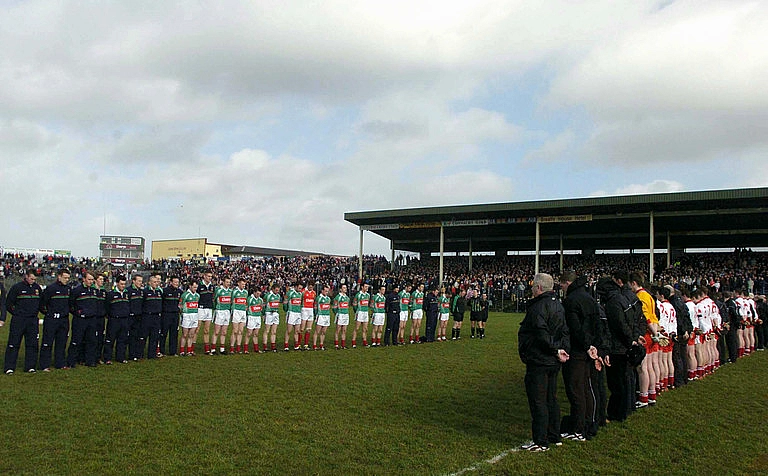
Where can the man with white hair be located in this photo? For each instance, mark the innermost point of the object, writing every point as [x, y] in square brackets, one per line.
[543, 345]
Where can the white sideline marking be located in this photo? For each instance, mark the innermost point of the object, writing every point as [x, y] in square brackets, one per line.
[493, 460]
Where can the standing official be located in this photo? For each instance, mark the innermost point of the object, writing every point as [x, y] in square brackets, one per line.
[55, 308]
[23, 303]
[392, 307]
[82, 303]
[543, 345]
[101, 314]
[432, 309]
[118, 323]
[205, 289]
[458, 307]
[153, 308]
[169, 329]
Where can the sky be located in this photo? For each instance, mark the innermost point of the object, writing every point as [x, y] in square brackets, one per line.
[262, 122]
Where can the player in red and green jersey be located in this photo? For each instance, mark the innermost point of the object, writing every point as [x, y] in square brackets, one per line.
[444, 302]
[417, 313]
[254, 312]
[272, 316]
[361, 304]
[323, 318]
[307, 312]
[293, 316]
[405, 306]
[379, 316]
[341, 308]
[239, 316]
[188, 304]
[222, 305]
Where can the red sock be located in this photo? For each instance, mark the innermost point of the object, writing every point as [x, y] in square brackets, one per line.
[652, 396]
[274, 346]
[643, 398]
[286, 345]
[671, 381]
[314, 346]
[365, 342]
[343, 343]
[306, 338]
[335, 343]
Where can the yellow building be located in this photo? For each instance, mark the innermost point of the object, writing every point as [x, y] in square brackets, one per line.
[187, 248]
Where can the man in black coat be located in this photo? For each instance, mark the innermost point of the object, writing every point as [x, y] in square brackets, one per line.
[581, 316]
[543, 345]
[23, 303]
[431, 309]
[684, 330]
[622, 327]
[393, 315]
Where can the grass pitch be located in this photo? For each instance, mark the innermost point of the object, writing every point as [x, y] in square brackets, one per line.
[421, 409]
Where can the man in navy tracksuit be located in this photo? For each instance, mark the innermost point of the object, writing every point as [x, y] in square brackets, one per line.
[101, 313]
[118, 322]
[136, 307]
[83, 305]
[153, 307]
[23, 302]
[170, 325]
[55, 308]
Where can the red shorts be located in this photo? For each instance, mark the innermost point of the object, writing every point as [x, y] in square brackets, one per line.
[702, 338]
[692, 340]
[667, 349]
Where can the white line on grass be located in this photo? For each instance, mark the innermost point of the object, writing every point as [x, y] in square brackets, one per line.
[493, 460]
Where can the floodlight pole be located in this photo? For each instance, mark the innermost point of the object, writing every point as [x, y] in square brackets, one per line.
[392, 261]
[442, 249]
[538, 246]
[650, 258]
[669, 251]
[360, 263]
[561, 253]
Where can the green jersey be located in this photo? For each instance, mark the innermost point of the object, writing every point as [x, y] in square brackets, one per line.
[222, 299]
[255, 306]
[417, 301]
[445, 304]
[273, 301]
[239, 299]
[341, 304]
[362, 301]
[379, 303]
[323, 305]
[405, 300]
[294, 300]
[188, 302]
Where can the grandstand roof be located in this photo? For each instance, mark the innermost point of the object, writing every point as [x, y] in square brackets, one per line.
[258, 251]
[703, 219]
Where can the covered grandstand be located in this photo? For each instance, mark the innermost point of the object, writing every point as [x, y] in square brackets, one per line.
[646, 223]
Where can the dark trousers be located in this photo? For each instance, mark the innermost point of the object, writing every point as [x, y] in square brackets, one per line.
[151, 330]
[760, 330]
[431, 327]
[100, 324]
[678, 361]
[732, 340]
[55, 333]
[578, 388]
[137, 338]
[27, 328]
[117, 337]
[601, 397]
[83, 337]
[393, 326]
[619, 375]
[721, 348]
[169, 330]
[541, 389]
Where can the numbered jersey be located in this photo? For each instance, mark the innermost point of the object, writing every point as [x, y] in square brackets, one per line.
[379, 304]
[222, 299]
[417, 300]
[363, 301]
[445, 305]
[342, 304]
[405, 300]
[323, 305]
[189, 302]
[294, 300]
[255, 306]
[239, 299]
[273, 301]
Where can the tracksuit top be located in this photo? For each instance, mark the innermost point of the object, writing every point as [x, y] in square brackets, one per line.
[55, 304]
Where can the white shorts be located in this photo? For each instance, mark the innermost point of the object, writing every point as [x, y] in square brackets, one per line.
[271, 318]
[293, 319]
[379, 319]
[362, 316]
[342, 319]
[307, 314]
[222, 317]
[323, 321]
[238, 317]
[445, 316]
[254, 322]
[417, 314]
[403, 316]
[204, 314]
[188, 321]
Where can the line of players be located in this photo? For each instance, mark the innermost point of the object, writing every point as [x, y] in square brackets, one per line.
[703, 345]
[132, 321]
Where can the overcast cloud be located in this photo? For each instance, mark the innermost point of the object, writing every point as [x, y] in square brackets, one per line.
[261, 122]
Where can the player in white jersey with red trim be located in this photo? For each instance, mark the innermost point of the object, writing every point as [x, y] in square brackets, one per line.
[668, 330]
[705, 311]
[693, 340]
[308, 297]
[749, 331]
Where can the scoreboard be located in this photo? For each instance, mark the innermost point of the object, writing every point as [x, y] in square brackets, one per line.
[121, 249]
